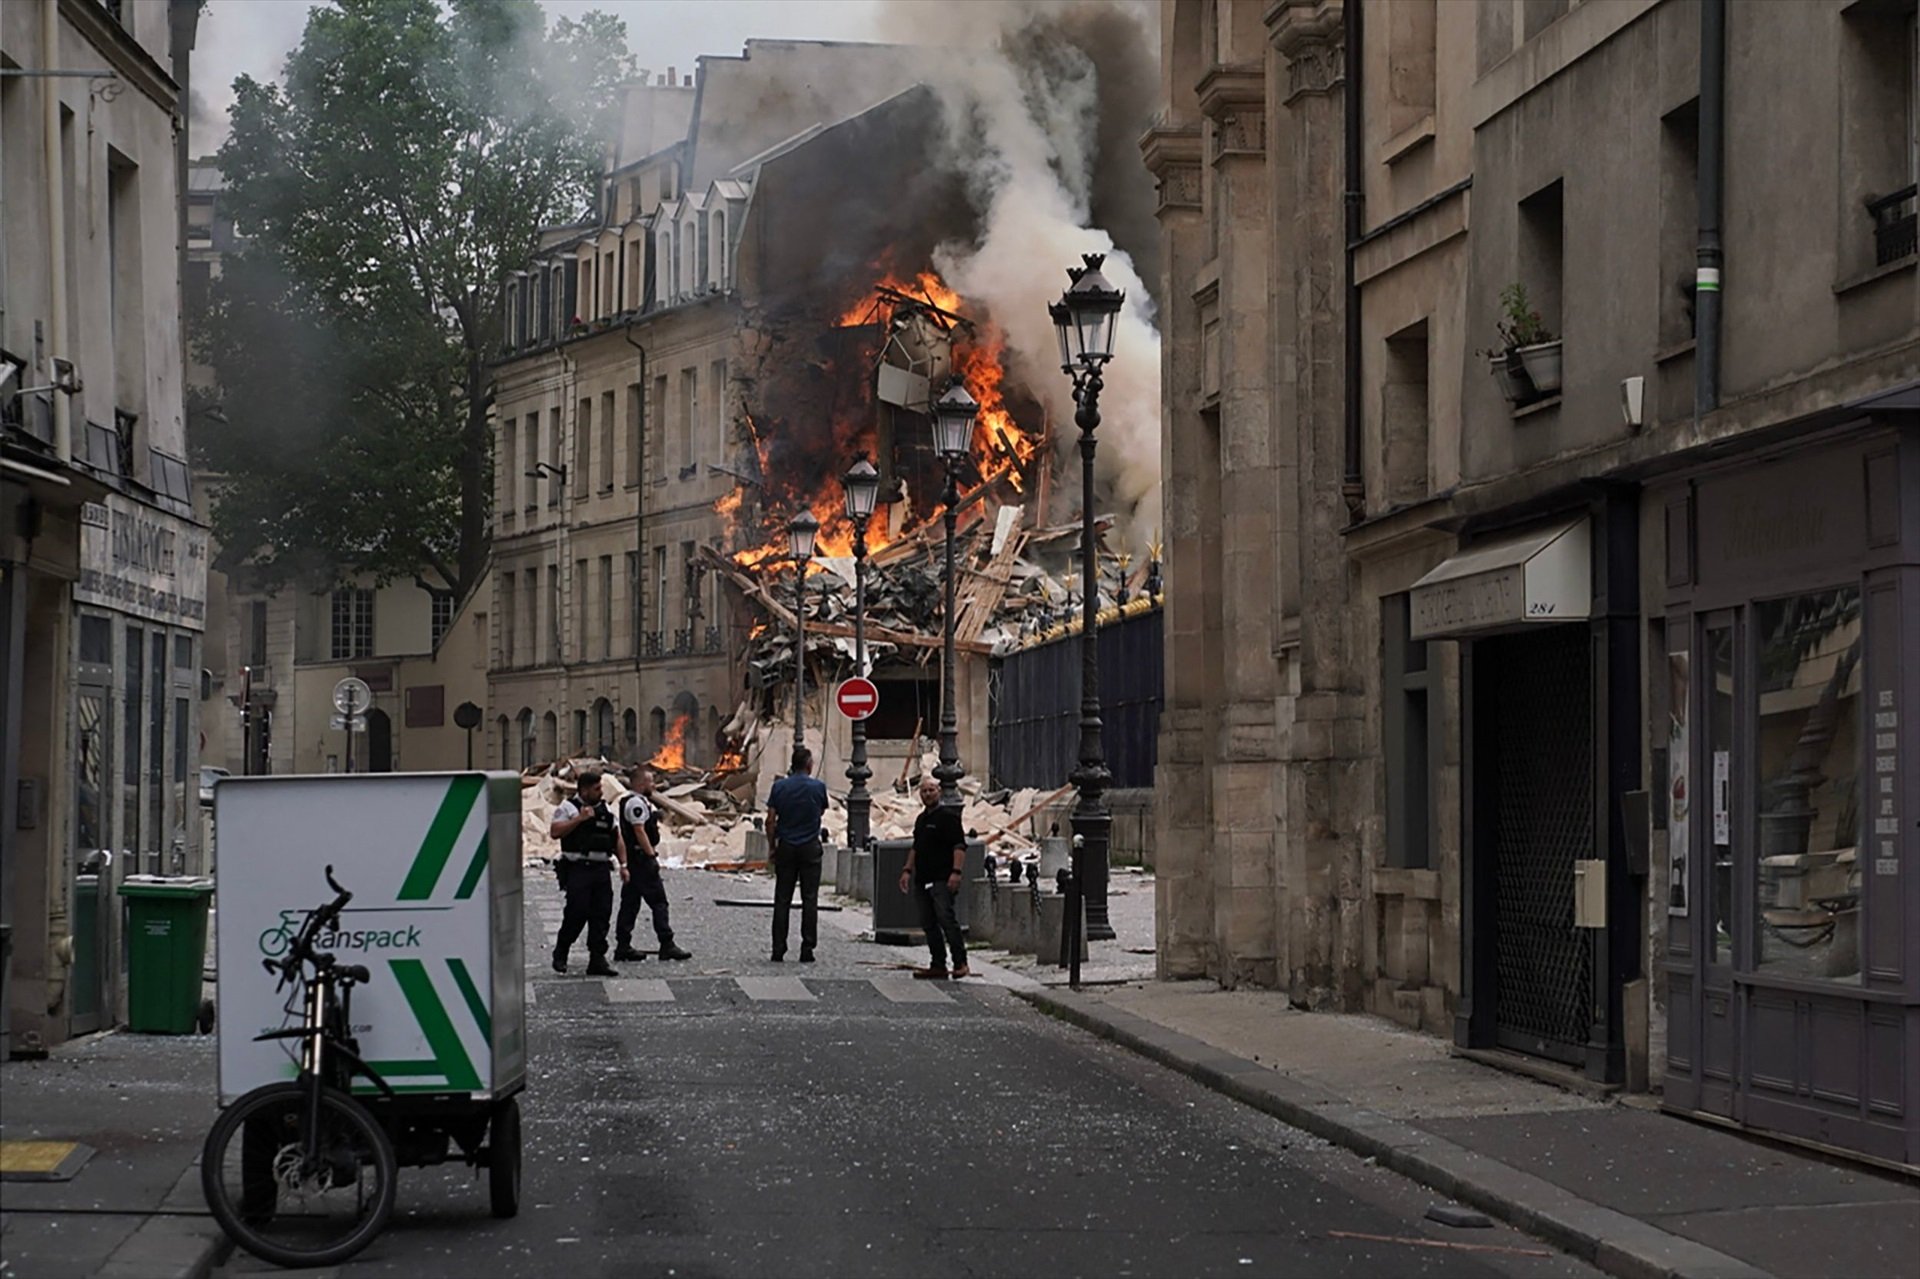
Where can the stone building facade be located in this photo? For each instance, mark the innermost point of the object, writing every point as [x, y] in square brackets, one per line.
[102, 563]
[1561, 703]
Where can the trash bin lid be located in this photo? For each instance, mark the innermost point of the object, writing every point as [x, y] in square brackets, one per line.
[166, 886]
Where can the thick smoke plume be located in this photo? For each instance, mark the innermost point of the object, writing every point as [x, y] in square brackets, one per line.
[1042, 116]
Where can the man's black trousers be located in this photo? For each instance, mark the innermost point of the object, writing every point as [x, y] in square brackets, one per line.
[941, 924]
[589, 888]
[643, 885]
[797, 865]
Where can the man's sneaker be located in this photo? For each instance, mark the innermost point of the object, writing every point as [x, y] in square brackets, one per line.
[777, 956]
[559, 962]
[961, 971]
[930, 974]
[806, 956]
[670, 951]
[599, 968]
[628, 955]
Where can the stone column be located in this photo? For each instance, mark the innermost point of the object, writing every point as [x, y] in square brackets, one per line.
[1236, 308]
[1189, 471]
[1328, 788]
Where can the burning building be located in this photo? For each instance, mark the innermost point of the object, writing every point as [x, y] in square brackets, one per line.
[760, 297]
[674, 384]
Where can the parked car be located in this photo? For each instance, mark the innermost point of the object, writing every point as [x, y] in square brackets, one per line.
[209, 777]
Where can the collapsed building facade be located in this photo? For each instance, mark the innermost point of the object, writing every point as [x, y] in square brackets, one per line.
[702, 362]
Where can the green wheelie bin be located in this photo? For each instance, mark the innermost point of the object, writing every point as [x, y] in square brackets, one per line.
[166, 950]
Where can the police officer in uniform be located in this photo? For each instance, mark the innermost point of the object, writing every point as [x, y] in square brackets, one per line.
[640, 826]
[590, 847]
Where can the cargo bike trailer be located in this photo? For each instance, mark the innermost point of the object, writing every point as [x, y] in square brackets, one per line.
[403, 1040]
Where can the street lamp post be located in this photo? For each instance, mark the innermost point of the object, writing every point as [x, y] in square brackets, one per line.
[953, 416]
[801, 530]
[1084, 320]
[862, 485]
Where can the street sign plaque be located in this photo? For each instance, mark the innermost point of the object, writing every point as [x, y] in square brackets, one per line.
[857, 698]
[353, 723]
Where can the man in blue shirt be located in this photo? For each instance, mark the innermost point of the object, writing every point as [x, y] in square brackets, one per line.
[794, 808]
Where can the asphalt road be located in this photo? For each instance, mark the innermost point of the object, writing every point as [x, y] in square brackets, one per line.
[730, 1117]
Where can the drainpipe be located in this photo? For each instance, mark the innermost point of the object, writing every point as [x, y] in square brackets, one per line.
[1353, 486]
[639, 495]
[1712, 188]
[56, 225]
[183, 21]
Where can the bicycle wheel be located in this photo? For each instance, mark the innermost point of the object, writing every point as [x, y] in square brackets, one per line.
[282, 1206]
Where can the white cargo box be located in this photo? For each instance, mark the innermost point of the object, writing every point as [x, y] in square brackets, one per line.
[433, 863]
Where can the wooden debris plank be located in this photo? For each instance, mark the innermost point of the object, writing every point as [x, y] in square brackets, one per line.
[1000, 831]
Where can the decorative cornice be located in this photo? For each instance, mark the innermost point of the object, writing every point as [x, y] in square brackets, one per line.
[1311, 35]
[1234, 100]
[1172, 154]
[1292, 22]
[125, 54]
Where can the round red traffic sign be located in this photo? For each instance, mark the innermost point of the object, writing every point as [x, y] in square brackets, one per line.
[857, 698]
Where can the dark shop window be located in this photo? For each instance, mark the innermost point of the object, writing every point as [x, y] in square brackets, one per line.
[1406, 736]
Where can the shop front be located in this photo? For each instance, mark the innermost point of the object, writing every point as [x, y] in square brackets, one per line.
[1546, 612]
[139, 614]
[1792, 790]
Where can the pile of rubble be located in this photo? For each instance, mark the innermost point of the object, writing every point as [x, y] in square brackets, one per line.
[705, 823]
[1015, 585]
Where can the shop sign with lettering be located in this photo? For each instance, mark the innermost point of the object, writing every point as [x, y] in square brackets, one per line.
[143, 562]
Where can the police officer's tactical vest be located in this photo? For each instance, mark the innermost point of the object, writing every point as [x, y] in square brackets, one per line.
[592, 840]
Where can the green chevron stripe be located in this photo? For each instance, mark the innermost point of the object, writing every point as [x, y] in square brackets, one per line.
[437, 849]
[442, 1038]
[471, 993]
[475, 868]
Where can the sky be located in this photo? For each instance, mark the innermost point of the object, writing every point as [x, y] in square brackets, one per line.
[253, 37]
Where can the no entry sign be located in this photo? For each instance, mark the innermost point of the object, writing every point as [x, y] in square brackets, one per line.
[857, 698]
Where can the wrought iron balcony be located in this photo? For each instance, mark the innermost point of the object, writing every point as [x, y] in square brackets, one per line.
[650, 643]
[714, 642]
[1893, 225]
[683, 641]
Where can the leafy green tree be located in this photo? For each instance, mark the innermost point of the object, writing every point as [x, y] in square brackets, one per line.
[384, 194]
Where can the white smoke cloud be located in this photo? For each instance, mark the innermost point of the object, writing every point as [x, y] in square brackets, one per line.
[1026, 132]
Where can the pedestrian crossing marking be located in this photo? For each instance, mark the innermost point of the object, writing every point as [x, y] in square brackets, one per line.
[774, 989]
[637, 990]
[905, 990]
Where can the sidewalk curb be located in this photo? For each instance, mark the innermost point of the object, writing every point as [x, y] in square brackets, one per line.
[1620, 1245]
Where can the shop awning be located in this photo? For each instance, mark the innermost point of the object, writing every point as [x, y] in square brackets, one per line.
[1542, 575]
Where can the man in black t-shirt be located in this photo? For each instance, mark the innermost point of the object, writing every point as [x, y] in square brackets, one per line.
[936, 869]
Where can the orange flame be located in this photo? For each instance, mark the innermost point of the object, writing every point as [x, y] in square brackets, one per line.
[673, 751]
[1001, 448]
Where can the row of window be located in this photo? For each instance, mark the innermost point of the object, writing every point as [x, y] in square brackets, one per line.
[682, 251]
[611, 437]
[528, 739]
[350, 623]
[532, 621]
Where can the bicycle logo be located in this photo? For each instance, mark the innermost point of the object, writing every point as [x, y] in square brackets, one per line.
[274, 941]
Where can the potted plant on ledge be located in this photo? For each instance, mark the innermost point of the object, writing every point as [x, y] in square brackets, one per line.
[1528, 360]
